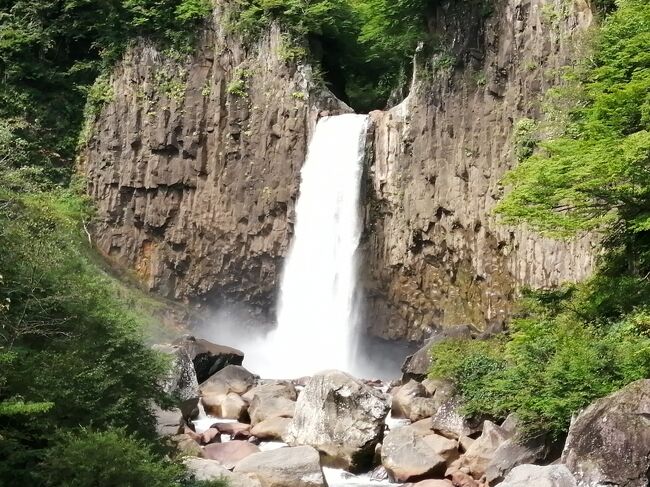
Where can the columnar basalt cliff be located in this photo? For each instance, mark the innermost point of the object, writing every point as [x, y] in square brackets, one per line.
[194, 166]
[435, 255]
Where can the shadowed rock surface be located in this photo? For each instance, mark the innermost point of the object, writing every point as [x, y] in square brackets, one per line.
[609, 442]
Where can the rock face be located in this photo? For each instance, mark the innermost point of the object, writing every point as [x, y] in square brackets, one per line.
[285, 467]
[195, 181]
[341, 417]
[609, 442]
[434, 254]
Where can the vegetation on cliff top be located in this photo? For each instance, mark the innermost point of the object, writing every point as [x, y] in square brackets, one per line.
[591, 173]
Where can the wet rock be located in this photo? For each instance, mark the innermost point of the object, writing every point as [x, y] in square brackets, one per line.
[341, 417]
[211, 435]
[209, 358]
[536, 476]
[206, 470]
[408, 455]
[229, 453]
[232, 428]
[271, 429]
[609, 442]
[512, 453]
[481, 452]
[286, 467]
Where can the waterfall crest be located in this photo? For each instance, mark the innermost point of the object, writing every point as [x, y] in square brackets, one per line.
[317, 314]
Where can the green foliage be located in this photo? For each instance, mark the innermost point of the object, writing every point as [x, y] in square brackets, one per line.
[108, 459]
[363, 45]
[525, 138]
[552, 365]
[595, 173]
[238, 84]
[76, 355]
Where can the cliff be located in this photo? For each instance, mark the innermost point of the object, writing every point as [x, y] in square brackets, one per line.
[434, 252]
[194, 166]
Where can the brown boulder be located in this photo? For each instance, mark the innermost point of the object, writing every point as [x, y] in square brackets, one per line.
[271, 429]
[228, 454]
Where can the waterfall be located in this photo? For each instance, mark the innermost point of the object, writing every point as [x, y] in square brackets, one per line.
[317, 313]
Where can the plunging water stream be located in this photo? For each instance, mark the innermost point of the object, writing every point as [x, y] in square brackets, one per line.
[317, 313]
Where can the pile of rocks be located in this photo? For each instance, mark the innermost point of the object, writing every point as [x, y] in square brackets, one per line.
[335, 420]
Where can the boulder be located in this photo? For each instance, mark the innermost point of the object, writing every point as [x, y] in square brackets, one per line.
[228, 454]
[285, 467]
[448, 420]
[274, 389]
[536, 476]
[232, 429]
[206, 470]
[211, 435]
[186, 445]
[402, 397]
[609, 442]
[417, 366]
[481, 452]
[462, 479]
[232, 378]
[168, 423]
[431, 483]
[423, 407]
[233, 407]
[408, 455]
[512, 453]
[341, 417]
[180, 380]
[267, 407]
[209, 358]
[271, 429]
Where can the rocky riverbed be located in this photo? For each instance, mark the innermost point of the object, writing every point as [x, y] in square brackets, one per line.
[336, 430]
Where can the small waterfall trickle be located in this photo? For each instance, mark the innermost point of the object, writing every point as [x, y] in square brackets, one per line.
[317, 314]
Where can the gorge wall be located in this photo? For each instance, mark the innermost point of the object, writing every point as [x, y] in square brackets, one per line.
[194, 167]
[435, 255]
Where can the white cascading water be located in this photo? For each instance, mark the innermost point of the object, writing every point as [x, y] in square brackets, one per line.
[316, 314]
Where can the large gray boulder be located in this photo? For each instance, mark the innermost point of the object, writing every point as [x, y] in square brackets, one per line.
[512, 453]
[408, 453]
[417, 366]
[209, 358]
[481, 452]
[536, 476]
[180, 380]
[341, 417]
[285, 467]
[205, 470]
[609, 442]
[232, 378]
